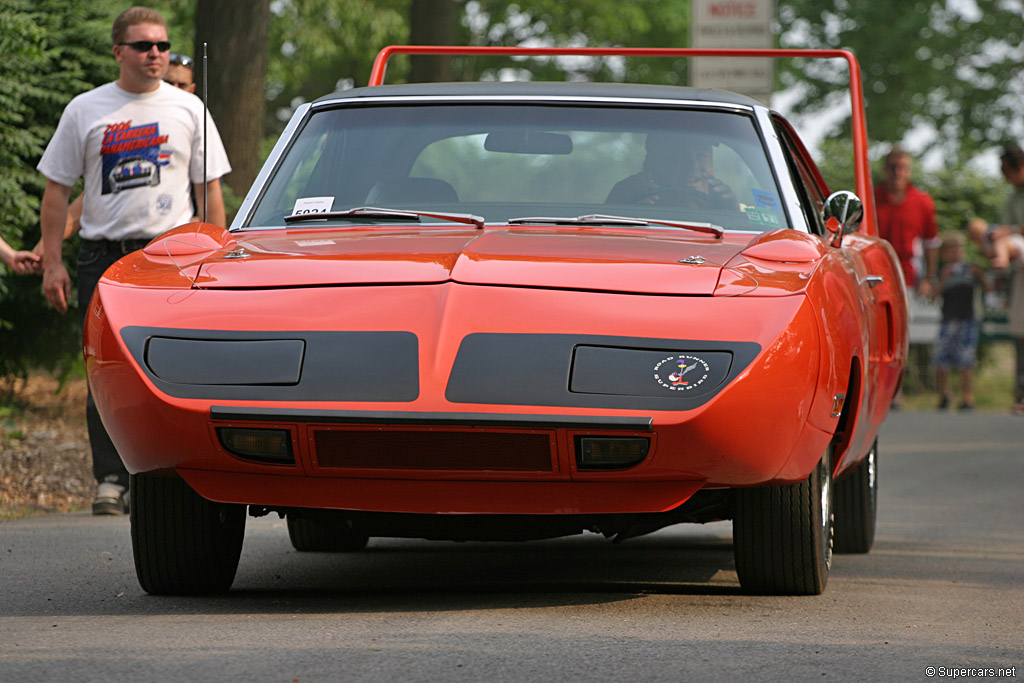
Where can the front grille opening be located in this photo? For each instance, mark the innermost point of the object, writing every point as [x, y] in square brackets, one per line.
[434, 450]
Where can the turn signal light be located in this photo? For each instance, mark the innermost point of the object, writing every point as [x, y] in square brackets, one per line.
[261, 445]
[610, 452]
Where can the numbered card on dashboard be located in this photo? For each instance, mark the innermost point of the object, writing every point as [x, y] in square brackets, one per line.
[304, 205]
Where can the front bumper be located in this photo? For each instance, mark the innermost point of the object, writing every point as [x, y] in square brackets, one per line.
[751, 428]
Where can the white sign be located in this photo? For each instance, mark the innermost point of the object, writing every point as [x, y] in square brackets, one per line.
[305, 205]
[733, 24]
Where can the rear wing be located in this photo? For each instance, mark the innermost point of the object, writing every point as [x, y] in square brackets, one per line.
[861, 166]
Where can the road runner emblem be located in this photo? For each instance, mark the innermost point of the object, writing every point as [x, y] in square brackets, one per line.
[681, 373]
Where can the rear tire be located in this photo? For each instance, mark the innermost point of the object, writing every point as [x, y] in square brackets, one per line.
[782, 535]
[183, 544]
[856, 505]
[321, 535]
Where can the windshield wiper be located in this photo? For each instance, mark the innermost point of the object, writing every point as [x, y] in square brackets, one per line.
[602, 219]
[388, 214]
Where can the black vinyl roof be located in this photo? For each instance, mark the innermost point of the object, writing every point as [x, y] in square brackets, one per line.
[544, 89]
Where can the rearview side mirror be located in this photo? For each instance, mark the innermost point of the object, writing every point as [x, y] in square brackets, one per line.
[842, 213]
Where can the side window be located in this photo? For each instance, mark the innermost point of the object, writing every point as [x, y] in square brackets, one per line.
[810, 195]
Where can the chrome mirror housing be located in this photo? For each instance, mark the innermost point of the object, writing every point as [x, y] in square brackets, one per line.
[842, 213]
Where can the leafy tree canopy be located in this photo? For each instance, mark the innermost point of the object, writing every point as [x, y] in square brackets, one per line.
[319, 46]
[954, 68]
[52, 50]
[583, 23]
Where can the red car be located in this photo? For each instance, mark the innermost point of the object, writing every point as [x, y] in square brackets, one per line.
[511, 311]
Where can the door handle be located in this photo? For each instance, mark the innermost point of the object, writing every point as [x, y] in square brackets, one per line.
[873, 280]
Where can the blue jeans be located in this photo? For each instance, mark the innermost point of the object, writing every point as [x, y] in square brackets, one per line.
[94, 257]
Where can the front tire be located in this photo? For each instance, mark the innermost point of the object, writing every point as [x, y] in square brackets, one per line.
[856, 504]
[183, 544]
[782, 535]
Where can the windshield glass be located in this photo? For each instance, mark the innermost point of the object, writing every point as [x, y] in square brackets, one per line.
[503, 162]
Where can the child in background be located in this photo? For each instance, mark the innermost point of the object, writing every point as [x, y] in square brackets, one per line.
[958, 332]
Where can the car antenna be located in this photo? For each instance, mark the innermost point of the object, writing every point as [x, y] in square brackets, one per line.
[206, 115]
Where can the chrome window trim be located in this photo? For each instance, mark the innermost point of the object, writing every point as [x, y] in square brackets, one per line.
[541, 99]
[777, 153]
[269, 166]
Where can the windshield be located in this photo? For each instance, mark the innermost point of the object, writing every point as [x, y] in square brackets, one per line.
[507, 162]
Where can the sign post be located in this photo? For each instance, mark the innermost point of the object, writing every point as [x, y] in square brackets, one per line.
[733, 24]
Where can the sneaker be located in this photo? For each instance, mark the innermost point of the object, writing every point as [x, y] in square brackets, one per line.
[965, 407]
[944, 403]
[110, 499]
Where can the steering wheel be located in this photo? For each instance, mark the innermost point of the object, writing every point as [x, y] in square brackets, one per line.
[680, 196]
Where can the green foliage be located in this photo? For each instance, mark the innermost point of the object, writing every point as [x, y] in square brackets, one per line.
[583, 23]
[35, 336]
[180, 16]
[52, 50]
[961, 194]
[931, 62]
[835, 161]
[319, 46]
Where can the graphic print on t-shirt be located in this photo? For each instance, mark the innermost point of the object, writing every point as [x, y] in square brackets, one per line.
[132, 156]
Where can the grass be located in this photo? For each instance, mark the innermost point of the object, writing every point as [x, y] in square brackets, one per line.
[993, 380]
[12, 512]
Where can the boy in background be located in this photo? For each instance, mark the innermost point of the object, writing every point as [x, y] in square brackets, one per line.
[957, 344]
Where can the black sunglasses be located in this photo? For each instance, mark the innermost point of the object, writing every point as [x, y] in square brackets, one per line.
[147, 45]
[178, 59]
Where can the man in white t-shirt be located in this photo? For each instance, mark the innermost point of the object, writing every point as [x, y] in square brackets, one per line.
[138, 142]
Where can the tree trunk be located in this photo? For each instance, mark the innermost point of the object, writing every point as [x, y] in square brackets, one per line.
[237, 35]
[432, 22]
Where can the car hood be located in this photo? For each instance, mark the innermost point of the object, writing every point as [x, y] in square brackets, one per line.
[647, 261]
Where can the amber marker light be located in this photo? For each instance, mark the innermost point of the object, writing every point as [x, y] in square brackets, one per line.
[610, 452]
[261, 445]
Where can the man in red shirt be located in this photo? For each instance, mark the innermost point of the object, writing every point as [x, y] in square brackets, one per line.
[906, 218]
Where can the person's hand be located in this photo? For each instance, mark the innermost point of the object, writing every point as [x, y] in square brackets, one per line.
[26, 263]
[57, 286]
[639, 189]
[997, 232]
[926, 289]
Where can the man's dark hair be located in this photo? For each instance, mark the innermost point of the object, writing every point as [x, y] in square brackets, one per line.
[132, 17]
[1012, 156]
[178, 59]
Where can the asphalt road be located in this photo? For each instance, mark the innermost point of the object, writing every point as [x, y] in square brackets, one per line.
[943, 588]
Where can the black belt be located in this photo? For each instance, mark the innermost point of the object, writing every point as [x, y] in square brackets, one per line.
[123, 247]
